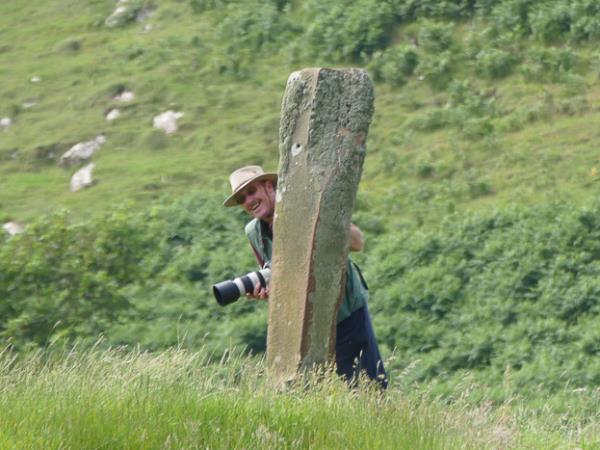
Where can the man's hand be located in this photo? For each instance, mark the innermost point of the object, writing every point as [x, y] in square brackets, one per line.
[260, 293]
[356, 239]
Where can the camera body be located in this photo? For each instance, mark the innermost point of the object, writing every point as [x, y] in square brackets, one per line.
[229, 291]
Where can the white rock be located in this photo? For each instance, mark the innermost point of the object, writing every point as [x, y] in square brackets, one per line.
[167, 121]
[120, 15]
[35, 79]
[113, 114]
[13, 228]
[5, 123]
[82, 178]
[29, 104]
[115, 18]
[81, 151]
[125, 96]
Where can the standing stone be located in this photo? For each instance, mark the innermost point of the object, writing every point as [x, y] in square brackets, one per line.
[324, 123]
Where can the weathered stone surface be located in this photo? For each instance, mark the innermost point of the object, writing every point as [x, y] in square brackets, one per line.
[324, 123]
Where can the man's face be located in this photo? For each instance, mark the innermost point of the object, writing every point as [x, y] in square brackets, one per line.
[258, 200]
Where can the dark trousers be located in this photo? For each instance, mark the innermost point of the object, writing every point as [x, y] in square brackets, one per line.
[356, 349]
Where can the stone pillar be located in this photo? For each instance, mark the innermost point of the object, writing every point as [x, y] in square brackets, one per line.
[325, 118]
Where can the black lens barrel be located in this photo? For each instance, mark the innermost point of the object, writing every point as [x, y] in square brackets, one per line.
[229, 291]
[226, 292]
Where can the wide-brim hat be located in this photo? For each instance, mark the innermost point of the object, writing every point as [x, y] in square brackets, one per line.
[242, 177]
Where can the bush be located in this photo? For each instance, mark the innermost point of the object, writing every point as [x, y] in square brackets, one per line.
[548, 64]
[550, 22]
[489, 291]
[436, 70]
[494, 63]
[251, 26]
[431, 121]
[467, 109]
[435, 37]
[435, 9]
[67, 280]
[585, 25]
[347, 30]
[512, 16]
[394, 65]
[246, 29]
[137, 278]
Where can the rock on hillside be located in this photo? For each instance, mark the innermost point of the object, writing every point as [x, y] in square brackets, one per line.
[82, 151]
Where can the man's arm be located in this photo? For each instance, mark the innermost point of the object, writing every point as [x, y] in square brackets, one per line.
[356, 245]
[356, 239]
[259, 293]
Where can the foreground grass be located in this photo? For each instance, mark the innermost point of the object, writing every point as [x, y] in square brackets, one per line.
[176, 399]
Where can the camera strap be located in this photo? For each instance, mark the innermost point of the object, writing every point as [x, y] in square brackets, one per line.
[362, 279]
[266, 240]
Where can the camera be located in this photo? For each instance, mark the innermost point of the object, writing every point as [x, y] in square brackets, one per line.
[229, 291]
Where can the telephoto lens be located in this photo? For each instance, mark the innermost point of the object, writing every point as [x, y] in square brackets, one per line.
[229, 291]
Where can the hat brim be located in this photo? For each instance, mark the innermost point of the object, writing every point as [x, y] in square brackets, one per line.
[232, 200]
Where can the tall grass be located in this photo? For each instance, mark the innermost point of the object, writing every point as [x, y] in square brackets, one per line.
[129, 399]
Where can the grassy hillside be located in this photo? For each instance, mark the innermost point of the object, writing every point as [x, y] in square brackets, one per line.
[484, 118]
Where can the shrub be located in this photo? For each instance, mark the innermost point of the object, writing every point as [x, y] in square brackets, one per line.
[585, 25]
[394, 65]
[548, 64]
[550, 22]
[489, 291]
[251, 26]
[436, 70]
[137, 278]
[467, 109]
[431, 121]
[347, 30]
[494, 63]
[573, 106]
[244, 30]
[435, 9]
[435, 37]
[512, 16]
[61, 279]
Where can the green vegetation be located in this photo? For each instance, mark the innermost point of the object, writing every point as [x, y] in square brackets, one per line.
[176, 399]
[477, 197]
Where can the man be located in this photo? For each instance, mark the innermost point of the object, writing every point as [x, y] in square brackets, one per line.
[356, 346]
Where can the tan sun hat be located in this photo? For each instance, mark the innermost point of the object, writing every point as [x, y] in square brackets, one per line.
[242, 177]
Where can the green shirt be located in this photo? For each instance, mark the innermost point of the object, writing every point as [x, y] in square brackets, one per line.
[356, 294]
